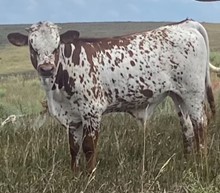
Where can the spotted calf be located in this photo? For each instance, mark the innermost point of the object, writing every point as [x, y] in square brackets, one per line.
[85, 78]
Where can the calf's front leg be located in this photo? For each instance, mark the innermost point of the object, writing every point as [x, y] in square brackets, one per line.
[91, 126]
[89, 148]
[75, 144]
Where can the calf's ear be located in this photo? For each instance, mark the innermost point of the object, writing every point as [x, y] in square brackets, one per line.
[18, 39]
[69, 36]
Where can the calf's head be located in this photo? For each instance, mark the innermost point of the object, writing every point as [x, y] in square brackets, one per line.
[44, 41]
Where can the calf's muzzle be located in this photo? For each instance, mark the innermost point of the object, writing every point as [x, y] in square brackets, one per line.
[46, 69]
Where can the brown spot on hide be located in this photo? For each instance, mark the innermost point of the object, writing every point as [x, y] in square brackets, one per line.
[130, 76]
[96, 91]
[94, 79]
[76, 55]
[108, 55]
[130, 53]
[81, 77]
[64, 81]
[132, 63]
[147, 92]
[141, 79]
[67, 50]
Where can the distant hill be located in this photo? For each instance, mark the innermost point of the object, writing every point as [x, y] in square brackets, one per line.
[103, 29]
[97, 29]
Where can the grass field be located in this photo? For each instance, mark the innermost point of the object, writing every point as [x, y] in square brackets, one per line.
[34, 153]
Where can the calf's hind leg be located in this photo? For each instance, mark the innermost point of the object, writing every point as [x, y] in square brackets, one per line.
[193, 121]
[199, 121]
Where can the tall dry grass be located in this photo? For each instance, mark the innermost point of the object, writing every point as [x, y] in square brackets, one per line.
[34, 153]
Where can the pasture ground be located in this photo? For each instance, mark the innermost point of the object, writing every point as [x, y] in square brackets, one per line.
[34, 153]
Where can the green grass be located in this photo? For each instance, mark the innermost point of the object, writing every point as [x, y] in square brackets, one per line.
[214, 35]
[215, 58]
[14, 60]
[19, 96]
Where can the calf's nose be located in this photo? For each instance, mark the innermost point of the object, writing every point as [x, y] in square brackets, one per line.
[46, 69]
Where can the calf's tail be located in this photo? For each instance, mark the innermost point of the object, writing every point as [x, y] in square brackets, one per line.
[209, 92]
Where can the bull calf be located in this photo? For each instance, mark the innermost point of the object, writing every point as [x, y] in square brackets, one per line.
[85, 78]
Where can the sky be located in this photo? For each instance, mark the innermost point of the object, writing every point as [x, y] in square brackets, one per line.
[64, 11]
